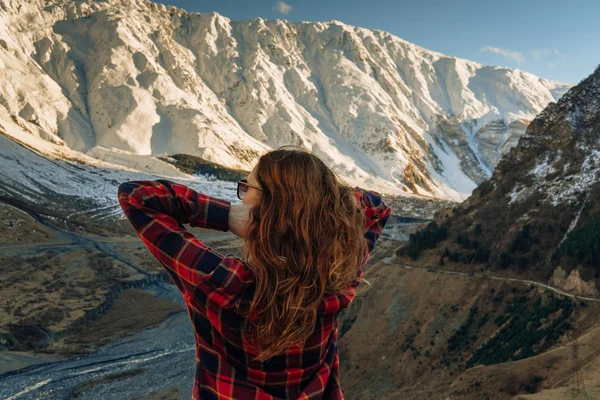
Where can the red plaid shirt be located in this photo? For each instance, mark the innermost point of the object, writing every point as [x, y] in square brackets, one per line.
[212, 285]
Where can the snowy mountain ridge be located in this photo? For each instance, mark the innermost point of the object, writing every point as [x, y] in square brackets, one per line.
[538, 216]
[117, 78]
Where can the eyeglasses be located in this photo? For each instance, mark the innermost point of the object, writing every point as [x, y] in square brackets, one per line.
[242, 188]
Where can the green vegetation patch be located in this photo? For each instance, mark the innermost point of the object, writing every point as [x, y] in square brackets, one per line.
[522, 250]
[527, 330]
[461, 336]
[582, 245]
[196, 165]
[426, 238]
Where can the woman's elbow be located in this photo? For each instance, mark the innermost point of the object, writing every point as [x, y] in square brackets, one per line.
[124, 192]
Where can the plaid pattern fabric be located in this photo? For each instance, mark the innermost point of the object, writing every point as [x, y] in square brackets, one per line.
[214, 285]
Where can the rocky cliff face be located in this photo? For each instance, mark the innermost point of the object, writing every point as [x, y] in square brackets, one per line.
[539, 214]
[106, 77]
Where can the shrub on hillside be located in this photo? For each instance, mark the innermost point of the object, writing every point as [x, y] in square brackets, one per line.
[426, 238]
[582, 245]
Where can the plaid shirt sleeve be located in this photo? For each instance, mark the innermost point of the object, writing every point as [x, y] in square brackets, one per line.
[157, 211]
[376, 215]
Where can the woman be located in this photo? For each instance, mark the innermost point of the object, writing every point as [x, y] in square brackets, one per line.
[265, 325]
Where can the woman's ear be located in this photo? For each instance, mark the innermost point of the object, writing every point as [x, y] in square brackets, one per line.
[239, 215]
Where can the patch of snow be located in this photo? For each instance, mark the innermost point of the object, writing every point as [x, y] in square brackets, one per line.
[514, 195]
[542, 168]
[575, 221]
[36, 168]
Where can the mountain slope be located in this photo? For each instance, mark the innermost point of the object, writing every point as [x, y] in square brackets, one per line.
[490, 300]
[135, 76]
[539, 214]
[64, 184]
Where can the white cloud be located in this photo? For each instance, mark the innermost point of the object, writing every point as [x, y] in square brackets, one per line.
[550, 65]
[510, 54]
[282, 7]
[539, 53]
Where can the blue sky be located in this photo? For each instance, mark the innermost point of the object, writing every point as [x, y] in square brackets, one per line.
[558, 40]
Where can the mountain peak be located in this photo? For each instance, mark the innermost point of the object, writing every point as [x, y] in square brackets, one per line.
[380, 110]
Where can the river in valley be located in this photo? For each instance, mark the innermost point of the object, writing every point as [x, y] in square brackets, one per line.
[153, 360]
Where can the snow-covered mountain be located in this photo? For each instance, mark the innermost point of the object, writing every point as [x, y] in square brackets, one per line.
[121, 78]
[538, 216]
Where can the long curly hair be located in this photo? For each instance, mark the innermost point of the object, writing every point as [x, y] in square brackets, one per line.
[305, 238]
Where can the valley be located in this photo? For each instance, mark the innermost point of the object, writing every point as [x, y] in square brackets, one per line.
[484, 285]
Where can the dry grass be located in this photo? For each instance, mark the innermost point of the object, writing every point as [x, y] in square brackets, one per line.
[395, 346]
[134, 310]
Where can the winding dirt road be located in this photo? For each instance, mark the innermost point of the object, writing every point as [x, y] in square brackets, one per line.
[392, 260]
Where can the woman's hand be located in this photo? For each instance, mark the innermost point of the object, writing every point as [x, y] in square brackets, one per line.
[239, 215]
